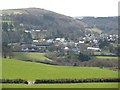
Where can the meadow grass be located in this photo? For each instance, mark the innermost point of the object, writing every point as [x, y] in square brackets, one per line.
[115, 44]
[6, 21]
[73, 85]
[13, 12]
[102, 53]
[30, 56]
[15, 69]
[106, 57]
[95, 30]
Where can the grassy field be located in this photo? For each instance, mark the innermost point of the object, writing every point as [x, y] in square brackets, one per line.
[106, 57]
[30, 56]
[95, 30]
[15, 69]
[116, 44]
[13, 12]
[6, 21]
[102, 53]
[75, 85]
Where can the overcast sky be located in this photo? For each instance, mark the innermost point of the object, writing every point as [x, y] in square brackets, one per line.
[97, 8]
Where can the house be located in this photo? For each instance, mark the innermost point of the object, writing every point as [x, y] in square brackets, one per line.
[49, 41]
[34, 41]
[66, 49]
[27, 31]
[81, 41]
[93, 49]
[36, 30]
[0, 14]
[42, 46]
[29, 49]
[95, 41]
[65, 43]
[26, 45]
[60, 39]
[75, 49]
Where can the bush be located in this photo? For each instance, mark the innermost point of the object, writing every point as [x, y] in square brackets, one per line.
[77, 80]
[12, 81]
[84, 56]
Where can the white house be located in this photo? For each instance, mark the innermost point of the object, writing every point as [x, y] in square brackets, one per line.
[27, 31]
[49, 40]
[60, 39]
[81, 41]
[35, 40]
[93, 49]
[66, 48]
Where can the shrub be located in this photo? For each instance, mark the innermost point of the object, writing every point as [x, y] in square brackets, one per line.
[12, 81]
[84, 56]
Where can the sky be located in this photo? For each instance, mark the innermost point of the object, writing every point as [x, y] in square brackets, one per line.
[97, 8]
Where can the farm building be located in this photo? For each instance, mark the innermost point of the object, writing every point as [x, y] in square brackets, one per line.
[93, 49]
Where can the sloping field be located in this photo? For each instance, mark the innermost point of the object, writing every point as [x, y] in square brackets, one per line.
[13, 11]
[15, 69]
[106, 57]
[75, 85]
[95, 30]
[30, 56]
[103, 53]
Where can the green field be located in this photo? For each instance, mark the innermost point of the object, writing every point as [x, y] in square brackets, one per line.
[106, 57]
[15, 69]
[30, 56]
[95, 30]
[75, 85]
[13, 12]
[102, 53]
[6, 21]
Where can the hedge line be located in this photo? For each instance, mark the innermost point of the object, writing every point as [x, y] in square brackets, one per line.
[77, 80]
[106, 55]
[62, 80]
[12, 81]
[47, 62]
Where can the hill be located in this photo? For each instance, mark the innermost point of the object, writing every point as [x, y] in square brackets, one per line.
[107, 25]
[31, 56]
[51, 25]
[56, 25]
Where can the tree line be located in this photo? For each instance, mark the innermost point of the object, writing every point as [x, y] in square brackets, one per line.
[12, 36]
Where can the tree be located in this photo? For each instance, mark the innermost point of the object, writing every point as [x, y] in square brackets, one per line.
[11, 27]
[103, 43]
[26, 37]
[75, 64]
[84, 56]
[6, 50]
[5, 26]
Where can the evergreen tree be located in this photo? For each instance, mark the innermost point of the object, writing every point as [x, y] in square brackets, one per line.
[84, 56]
[11, 27]
[5, 26]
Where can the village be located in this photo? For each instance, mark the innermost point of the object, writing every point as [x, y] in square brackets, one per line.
[89, 42]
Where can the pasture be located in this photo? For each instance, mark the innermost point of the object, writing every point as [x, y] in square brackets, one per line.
[106, 57]
[75, 85]
[30, 56]
[103, 53]
[95, 30]
[6, 21]
[15, 69]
